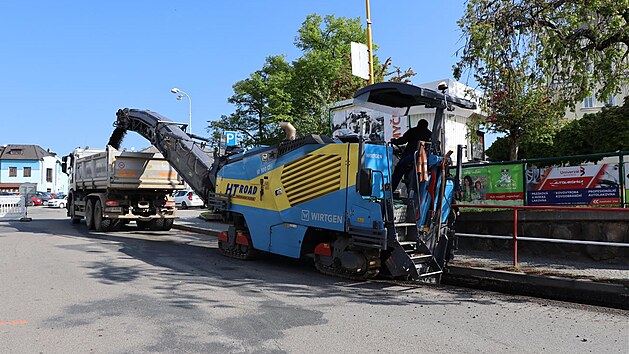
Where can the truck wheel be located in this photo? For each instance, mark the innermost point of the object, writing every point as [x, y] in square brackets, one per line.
[156, 224]
[100, 223]
[168, 224]
[143, 225]
[89, 214]
[73, 218]
[116, 225]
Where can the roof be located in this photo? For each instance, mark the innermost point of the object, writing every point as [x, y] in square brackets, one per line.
[398, 98]
[23, 152]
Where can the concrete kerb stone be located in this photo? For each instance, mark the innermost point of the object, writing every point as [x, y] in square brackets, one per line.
[551, 287]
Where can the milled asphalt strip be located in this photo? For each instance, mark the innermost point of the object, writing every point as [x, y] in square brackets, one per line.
[549, 287]
[199, 230]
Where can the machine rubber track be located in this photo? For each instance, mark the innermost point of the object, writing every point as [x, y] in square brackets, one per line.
[371, 272]
[238, 251]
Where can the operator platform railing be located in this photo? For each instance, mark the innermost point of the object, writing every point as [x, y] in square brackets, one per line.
[517, 238]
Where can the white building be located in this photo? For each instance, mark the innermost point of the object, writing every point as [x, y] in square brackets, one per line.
[591, 105]
[31, 164]
[382, 126]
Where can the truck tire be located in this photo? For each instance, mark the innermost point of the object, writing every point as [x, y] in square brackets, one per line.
[143, 225]
[161, 224]
[116, 225]
[156, 224]
[100, 224]
[89, 214]
[168, 224]
[73, 218]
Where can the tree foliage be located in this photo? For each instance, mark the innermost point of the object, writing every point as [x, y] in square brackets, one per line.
[524, 52]
[301, 92]
[261, 102]
[602, 132]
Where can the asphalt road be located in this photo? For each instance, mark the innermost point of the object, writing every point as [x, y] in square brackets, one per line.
[65, 289]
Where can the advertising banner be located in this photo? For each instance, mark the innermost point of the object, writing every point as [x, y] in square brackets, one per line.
[574, 185]
[495, 185]
[377, 126]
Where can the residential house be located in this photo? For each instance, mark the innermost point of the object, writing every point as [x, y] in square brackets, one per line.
[591, 105]
[30, 164]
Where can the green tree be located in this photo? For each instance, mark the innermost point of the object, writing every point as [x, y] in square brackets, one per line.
[556, 51]
[261, 101]
[303, 91]
[323, 72]
[601, 132]
[499, 150]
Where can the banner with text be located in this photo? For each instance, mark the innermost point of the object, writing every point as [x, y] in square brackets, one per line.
[495, 185]
[574, 185]
[377, 126]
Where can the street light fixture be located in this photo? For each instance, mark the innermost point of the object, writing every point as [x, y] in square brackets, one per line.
[175, 90]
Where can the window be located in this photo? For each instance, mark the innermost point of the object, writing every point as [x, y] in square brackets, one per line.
[27, 172]
[49, 175]
[610, 101]
[16, 152]
[12, 171]
[588, 102]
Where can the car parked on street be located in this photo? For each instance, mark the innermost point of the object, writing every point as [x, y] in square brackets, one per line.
[186, 199]
[43, 196]
[34, 201]
[57, 203]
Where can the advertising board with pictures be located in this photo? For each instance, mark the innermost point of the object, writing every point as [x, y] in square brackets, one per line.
[493, 185]
[595, 185]
[378, 126]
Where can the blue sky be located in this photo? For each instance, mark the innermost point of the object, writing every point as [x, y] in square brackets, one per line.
[66, 67]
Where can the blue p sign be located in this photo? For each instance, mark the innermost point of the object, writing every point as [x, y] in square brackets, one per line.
[230, 138]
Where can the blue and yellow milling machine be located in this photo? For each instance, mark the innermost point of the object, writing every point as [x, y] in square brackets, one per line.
[324, 198]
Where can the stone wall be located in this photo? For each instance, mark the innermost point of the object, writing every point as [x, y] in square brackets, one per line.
[571, 225]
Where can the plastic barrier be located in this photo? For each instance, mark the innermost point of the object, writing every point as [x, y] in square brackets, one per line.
[12, 207]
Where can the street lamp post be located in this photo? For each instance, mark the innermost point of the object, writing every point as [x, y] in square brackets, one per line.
[180, 97]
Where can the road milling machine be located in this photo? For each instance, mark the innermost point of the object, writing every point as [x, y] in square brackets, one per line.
[324, 198]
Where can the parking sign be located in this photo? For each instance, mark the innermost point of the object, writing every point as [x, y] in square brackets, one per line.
[230, 138]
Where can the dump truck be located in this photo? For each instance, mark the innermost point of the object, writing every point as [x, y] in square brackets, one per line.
[110, 187]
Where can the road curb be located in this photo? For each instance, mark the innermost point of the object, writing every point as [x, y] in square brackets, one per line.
[550, 287]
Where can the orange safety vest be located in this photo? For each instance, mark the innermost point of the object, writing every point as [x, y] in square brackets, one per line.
[422, 163]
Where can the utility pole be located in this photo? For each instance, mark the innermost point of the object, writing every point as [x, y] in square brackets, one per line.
[369, 44]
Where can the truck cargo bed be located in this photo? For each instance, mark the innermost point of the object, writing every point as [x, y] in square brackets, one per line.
[115, 169]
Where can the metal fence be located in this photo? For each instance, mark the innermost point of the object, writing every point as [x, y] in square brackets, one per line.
[515, 237]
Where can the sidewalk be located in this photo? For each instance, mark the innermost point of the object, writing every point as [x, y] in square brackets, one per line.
[583, 281]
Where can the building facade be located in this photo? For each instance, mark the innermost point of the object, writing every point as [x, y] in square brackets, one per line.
[31, 164]
[591, 105]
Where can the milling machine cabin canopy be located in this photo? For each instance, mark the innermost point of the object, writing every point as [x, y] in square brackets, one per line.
[398, 98]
